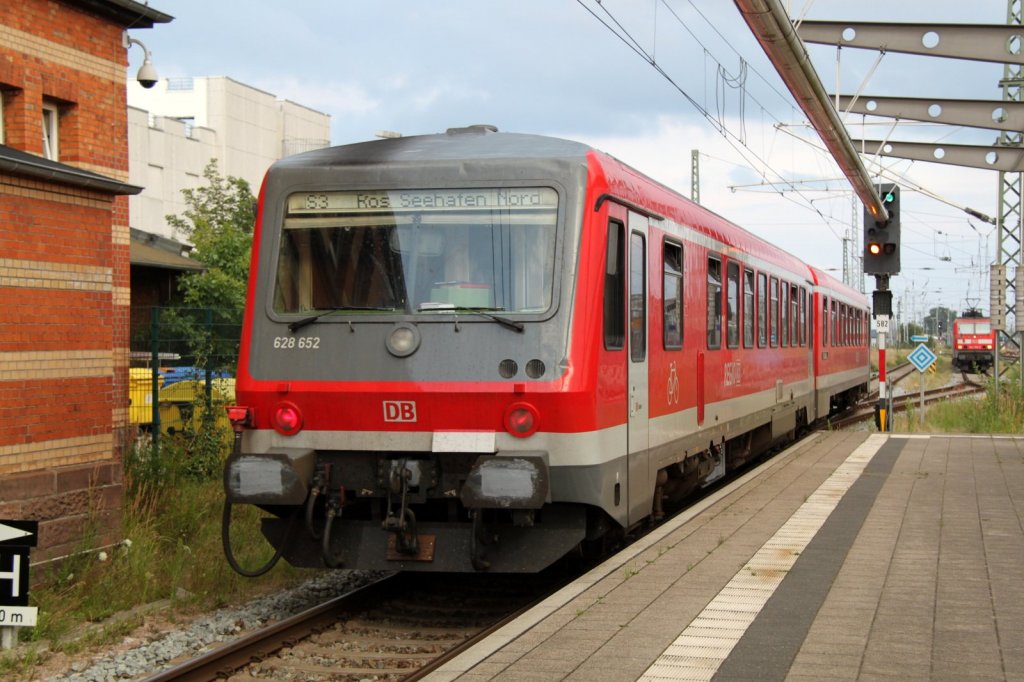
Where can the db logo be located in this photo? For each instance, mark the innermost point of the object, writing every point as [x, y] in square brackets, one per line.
[399, 411]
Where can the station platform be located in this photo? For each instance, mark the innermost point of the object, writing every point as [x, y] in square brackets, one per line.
[848, 556]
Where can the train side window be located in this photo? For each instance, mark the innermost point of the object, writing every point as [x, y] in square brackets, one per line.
[762, 309]
[784, 315]
[824, 321]
[773, 304]
[840, 336]
[672, 311]
[614, 289]
[714, 303]
[794, 316]
[732, 310]
[835, 324]
[803, 316]
[748, 308]
[637, 297]
[842, 324]
[849, 325]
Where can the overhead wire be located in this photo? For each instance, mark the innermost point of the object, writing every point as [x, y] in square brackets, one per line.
[742, 149]
[783, 186]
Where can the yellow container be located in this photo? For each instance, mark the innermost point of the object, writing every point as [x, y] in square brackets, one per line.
[140, 394]
[181, 405]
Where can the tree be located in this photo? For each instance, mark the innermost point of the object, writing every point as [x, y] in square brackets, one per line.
[218, 222]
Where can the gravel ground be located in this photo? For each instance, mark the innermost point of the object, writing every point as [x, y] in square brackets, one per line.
[221, 626]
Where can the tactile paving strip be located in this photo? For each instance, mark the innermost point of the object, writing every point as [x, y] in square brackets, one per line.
[709, 639]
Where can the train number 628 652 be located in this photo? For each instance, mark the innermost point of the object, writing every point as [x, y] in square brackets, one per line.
[301, 342]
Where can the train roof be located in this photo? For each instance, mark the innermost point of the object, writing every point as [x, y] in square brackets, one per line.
[624, 180]
[478, 142]
[826, 281]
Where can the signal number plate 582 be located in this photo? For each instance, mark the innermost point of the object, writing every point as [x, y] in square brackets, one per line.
[301, 342]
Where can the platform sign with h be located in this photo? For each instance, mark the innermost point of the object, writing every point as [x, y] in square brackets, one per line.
[16, 539]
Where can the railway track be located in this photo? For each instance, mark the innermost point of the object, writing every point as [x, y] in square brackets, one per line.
[865, 409]
[388, 630]
[398, 628]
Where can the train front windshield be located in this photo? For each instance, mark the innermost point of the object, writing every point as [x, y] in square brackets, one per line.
[418, 251]
[975, 328]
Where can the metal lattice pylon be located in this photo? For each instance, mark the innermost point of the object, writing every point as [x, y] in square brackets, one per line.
[1010, 183]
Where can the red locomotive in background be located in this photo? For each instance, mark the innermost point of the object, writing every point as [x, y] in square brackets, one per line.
[483, 351]
[974, 342]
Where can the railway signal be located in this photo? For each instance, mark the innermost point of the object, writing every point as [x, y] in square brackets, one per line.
[882, 238]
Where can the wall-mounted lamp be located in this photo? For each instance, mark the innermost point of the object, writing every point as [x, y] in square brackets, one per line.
[146, 76]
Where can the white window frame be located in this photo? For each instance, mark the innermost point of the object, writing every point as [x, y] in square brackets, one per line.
[51, 131]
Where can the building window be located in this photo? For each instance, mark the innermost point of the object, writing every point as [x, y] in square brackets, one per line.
[51, 131]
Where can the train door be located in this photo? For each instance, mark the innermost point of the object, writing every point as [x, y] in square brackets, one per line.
[641, 484]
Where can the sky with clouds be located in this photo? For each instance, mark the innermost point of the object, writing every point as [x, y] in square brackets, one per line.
[581, 69]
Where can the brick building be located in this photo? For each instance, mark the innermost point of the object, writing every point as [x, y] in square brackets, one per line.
[64, 265]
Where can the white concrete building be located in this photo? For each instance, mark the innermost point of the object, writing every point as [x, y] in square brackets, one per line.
[175, 128]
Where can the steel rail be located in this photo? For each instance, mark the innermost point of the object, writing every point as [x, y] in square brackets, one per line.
[235, 655]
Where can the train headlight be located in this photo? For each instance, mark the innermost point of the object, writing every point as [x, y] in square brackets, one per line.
[521, 419]
[403, 340]
[287, 419]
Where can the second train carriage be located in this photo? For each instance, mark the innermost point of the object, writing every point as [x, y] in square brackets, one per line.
[480, 350]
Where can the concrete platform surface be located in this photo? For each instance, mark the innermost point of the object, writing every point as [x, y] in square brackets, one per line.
[848, 556]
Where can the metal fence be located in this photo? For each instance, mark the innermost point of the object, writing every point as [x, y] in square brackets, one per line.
[182, 372]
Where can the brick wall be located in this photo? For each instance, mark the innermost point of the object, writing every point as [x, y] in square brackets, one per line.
[64, 279]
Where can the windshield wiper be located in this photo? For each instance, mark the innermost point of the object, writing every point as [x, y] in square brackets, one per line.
[299, 324]
[483, 312]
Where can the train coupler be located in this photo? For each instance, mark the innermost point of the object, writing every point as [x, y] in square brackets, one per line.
[403, 523]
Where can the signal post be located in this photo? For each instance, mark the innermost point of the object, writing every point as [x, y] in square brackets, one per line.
[882, 259]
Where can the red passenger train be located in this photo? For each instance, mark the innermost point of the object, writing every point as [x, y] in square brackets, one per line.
[484, 351]
[974, 342]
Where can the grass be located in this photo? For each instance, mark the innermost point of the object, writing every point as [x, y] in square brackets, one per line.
[171, 518]
[999, 410]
